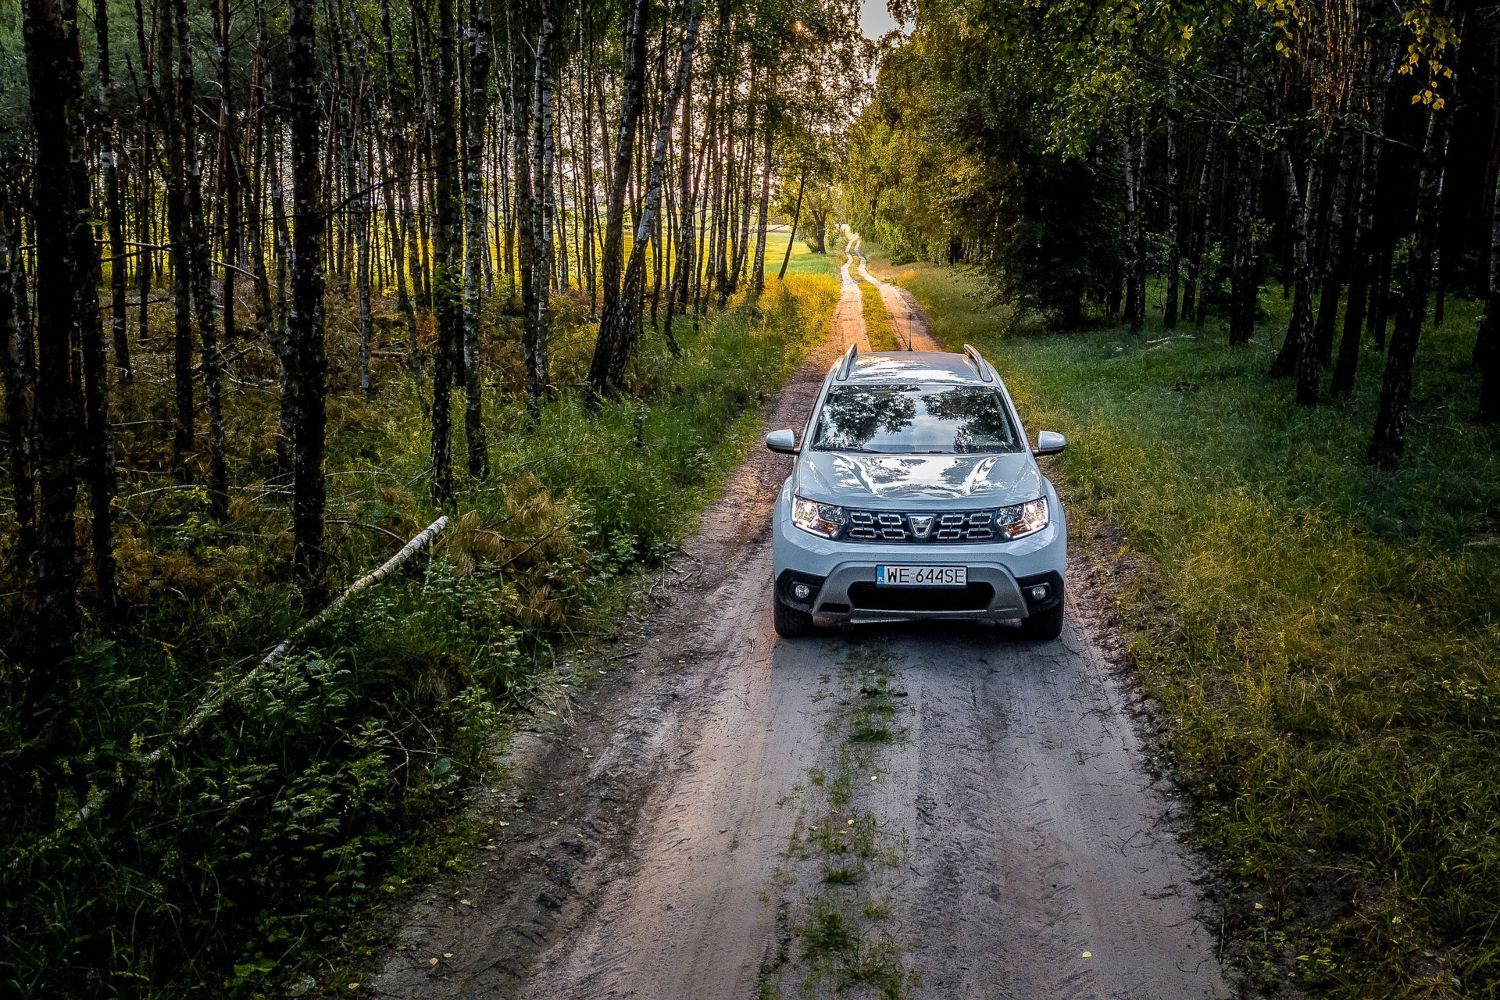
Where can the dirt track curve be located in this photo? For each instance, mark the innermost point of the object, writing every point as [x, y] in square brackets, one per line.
[932, 812]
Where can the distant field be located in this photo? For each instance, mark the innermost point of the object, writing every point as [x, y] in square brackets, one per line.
[803, 261]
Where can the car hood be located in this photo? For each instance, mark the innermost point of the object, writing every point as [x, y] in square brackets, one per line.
[954, 481]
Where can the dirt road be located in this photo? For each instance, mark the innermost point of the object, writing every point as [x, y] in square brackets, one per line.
[923, 812]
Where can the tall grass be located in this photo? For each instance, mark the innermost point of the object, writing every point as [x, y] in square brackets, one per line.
[336, 775]
[1322, 637]
[877, 320]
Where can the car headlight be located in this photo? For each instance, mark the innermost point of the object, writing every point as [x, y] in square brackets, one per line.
[823, 519]
[1022, 519]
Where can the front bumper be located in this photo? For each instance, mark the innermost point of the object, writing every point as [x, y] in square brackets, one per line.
[840, 575]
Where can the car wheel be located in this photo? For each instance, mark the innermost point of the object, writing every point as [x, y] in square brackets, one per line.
[791, 623]
[1046, 625]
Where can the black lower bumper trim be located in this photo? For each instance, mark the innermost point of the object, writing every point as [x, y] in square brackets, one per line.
[788, 579]
[1054, 584]
[869, 597]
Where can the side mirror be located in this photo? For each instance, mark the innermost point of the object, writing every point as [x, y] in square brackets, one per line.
[1049, 443]
[783, 441]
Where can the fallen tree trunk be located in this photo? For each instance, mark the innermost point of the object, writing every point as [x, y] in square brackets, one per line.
[210, 706]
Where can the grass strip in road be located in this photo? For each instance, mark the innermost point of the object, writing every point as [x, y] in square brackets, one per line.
[838, 925]
[877, 321]
[1322, 637]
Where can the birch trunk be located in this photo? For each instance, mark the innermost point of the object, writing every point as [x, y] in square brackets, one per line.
[229, 186]
[19, 381]
[478, 31]
[1487, 343]
[306, 381]
[683, 268]
[1340, 192]
[282, 342]
[631, 100]
[544, 204]
[758, 269]
[1368, 184]
[743, 190]
[1174, 238]
[1192, 305]
[200, 273]
[521, 88]
[1135, 285]
[1389, 440]
[539, 143]
[629, 320]
[362, 219]
[792, 236]
[447, 246]
[178, 238]
[1297, 355]
[260, 148]
[54, 72]
[114, 209]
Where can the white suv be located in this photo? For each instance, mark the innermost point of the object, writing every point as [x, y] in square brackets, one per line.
[915, 495]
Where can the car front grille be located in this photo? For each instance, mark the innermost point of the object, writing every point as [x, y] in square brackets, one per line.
[919, 527]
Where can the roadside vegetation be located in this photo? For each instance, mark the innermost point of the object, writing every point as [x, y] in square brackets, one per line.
[335, 776]
[1321, 636]
[288, 288]
[1247, 257]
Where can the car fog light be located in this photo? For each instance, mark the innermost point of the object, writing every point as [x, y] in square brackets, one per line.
[1039, 592]
[801, 591]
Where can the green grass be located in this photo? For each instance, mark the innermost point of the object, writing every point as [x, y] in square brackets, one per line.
[803, 261]
[838, 926]
[338, 777]
[1322, 637]
[877, 320]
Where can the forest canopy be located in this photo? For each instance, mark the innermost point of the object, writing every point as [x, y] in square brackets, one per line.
[1070, 149]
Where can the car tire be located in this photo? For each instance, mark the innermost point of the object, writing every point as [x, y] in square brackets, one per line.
[790, 623]
[1046, 625]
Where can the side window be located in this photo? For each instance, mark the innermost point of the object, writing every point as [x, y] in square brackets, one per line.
[817, 408]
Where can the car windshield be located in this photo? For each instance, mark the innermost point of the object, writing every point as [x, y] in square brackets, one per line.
[915, 420]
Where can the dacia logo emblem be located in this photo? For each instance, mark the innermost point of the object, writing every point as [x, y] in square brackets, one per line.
[921, 525]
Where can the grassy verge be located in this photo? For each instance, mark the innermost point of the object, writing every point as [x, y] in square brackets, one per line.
[1322, 637]
[335, 777]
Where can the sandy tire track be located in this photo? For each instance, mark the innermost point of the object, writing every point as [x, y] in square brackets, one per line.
[647, 867]
[908, 322]
[849, 314]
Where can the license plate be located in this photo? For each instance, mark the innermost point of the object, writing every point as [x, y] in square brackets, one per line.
[921, 576]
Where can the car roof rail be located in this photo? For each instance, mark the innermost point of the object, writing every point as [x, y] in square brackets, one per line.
[847, 365]
[978, 362]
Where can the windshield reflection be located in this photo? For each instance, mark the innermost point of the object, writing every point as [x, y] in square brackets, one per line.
[914, 420]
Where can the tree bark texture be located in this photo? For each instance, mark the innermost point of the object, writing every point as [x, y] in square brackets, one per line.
[306, 383]
[1389, 440]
